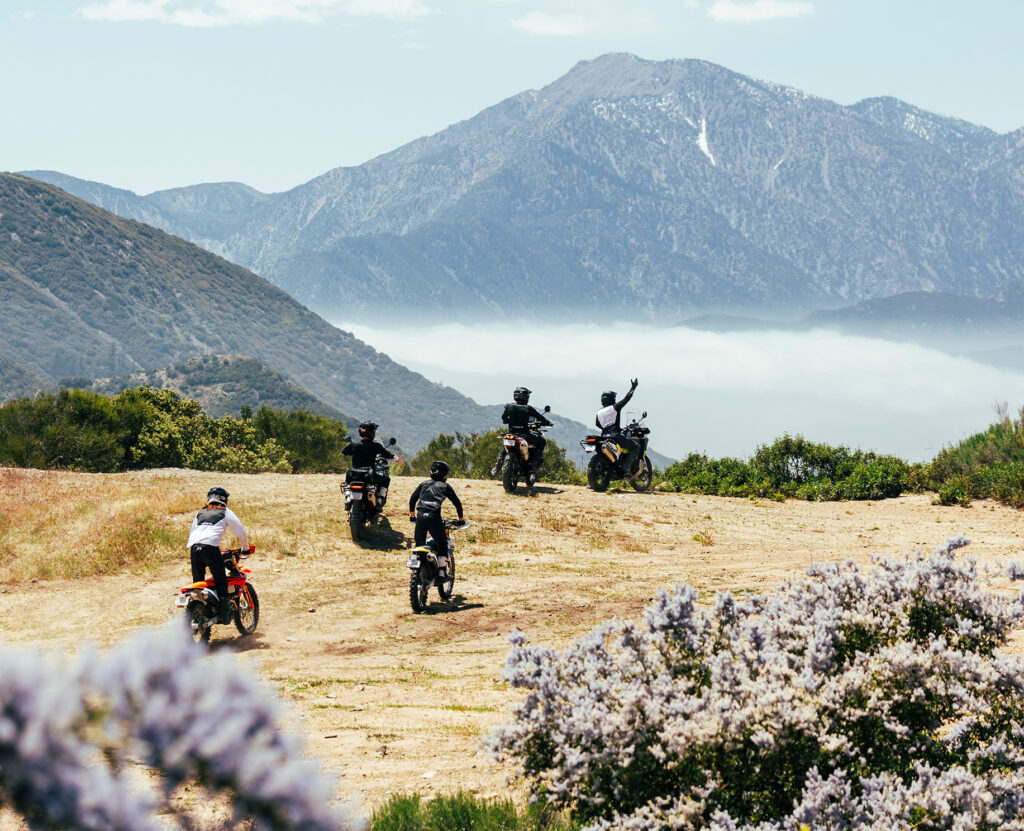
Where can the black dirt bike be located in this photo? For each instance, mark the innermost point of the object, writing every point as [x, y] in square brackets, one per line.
[366, 493]
[605, 466]
[516, 465]
[199, 600]
[431, 569]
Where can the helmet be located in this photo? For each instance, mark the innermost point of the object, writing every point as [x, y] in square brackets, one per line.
[367, 430]
[521, 395]
[607, 398]
[439, 469]
[217, 494]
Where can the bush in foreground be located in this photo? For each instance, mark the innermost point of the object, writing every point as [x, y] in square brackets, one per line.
[72, 739]
[464, 812]
[848, 699]
[987, 465]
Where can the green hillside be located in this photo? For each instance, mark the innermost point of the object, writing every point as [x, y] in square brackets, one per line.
[16, 381]
[223, 386]
[86, 293]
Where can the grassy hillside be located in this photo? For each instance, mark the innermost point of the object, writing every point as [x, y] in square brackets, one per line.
[86, 293]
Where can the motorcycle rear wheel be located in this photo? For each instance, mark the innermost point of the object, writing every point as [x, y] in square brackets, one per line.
[355, 521]
[642, 481]
[599, 474]
[246, 619]
[196, 614]
[418, 588]
[509, 475]
[445, 587]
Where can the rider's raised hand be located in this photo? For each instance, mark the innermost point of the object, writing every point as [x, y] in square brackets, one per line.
[633, 383]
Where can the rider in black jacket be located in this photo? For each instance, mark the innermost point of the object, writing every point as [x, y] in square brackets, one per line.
[517, 415]
[365, 453]
[427, 513]
[607, 421]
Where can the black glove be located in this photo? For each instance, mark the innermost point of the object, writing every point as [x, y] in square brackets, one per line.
[633, 383]
[412, 519]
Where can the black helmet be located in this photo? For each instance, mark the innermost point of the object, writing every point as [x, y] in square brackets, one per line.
[217, 494]
[367, 430]
[521, 395]
[607, 398]
[439, 469]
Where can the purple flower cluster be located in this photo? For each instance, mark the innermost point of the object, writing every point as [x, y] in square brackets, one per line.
[847, 699]
[73, 737]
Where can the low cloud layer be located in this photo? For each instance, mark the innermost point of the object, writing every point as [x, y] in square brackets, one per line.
[722, 393]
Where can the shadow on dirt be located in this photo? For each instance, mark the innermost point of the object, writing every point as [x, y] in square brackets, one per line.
[231, 641]
[457, 603]
[537, 490]
[380, 536]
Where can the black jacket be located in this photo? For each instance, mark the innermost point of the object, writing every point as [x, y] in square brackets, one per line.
[430, 495]
[517, 416]
[365, 452]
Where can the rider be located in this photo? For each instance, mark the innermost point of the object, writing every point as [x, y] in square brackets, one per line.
[517, 416]
[427, 515]
[203, 544]
[608, 421]
[365, 453]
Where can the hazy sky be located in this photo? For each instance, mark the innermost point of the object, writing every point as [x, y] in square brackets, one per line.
[152, 94]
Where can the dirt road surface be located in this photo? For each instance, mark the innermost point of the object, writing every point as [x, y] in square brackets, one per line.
[396, 702]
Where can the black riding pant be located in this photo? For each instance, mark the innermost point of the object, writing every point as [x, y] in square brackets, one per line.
[631, 448]
[209, 556]
[434, 524]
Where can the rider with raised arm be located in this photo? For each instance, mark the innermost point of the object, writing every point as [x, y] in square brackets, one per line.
[608, 422]
[204, 538]
[425, 508]
[364, 453]
[517, 415]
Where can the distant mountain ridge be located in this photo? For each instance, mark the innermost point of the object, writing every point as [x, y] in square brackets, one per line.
[663, 189]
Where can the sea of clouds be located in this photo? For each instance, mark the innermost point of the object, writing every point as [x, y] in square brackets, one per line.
[723, 394]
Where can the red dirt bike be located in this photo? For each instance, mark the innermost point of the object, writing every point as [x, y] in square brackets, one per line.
[200, 601]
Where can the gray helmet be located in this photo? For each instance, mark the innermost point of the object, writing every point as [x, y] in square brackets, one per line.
[521, 395]
[607, 398]
[217, 494]
[439, 469]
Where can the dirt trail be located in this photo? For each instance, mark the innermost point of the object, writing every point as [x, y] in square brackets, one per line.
[397, 702]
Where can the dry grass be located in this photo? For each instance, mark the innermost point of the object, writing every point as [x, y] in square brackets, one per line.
[336, 635]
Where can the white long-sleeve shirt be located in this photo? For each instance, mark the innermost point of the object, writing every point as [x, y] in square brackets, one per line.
[210, 524]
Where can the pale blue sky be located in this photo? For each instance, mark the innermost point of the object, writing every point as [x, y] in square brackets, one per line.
[153, 94]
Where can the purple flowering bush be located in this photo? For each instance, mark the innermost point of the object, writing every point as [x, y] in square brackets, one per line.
[848, 699]
[73, 739]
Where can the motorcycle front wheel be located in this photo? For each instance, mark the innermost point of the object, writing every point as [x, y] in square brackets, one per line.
[195, 614]
[355, 521]
[444, 588]
[642, 481]
[418, 588]
[599, 474]
[509, 475]
[246, 619]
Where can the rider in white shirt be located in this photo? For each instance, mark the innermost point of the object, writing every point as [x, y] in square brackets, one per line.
[608, 421]
[208, 529]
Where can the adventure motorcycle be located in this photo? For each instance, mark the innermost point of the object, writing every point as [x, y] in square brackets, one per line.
[515, 463]
[199, 600]
[366, 493]
[431, 569]
[606, 465]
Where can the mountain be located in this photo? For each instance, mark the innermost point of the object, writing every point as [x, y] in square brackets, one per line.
[223, 385]
[16, 381]
[658, 189]
[87, 293]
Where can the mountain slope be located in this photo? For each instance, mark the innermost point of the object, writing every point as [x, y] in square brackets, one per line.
[16, 381]
[86, 293]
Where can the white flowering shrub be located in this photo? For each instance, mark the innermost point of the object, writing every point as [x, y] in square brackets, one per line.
[848, 699]
[74, 737]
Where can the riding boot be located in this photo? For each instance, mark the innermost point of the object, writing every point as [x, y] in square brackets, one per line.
[224, 611]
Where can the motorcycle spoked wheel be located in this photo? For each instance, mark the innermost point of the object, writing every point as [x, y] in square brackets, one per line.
[355, 521]
[510, 475]
[246, 619]
[445, 587]
[599, 474]
[418, 588]
[196, 615]
[642, 481]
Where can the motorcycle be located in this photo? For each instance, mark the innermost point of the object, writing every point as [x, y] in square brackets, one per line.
[607, 455]
[199, 600]
[432, 569]
[365, 493]
[515, 465]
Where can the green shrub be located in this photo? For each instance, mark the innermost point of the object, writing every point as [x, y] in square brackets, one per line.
[464, 812]
[472, 456]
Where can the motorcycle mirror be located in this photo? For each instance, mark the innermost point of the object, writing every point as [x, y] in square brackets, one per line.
[644, 415]
[392, 441]
[547, 409]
